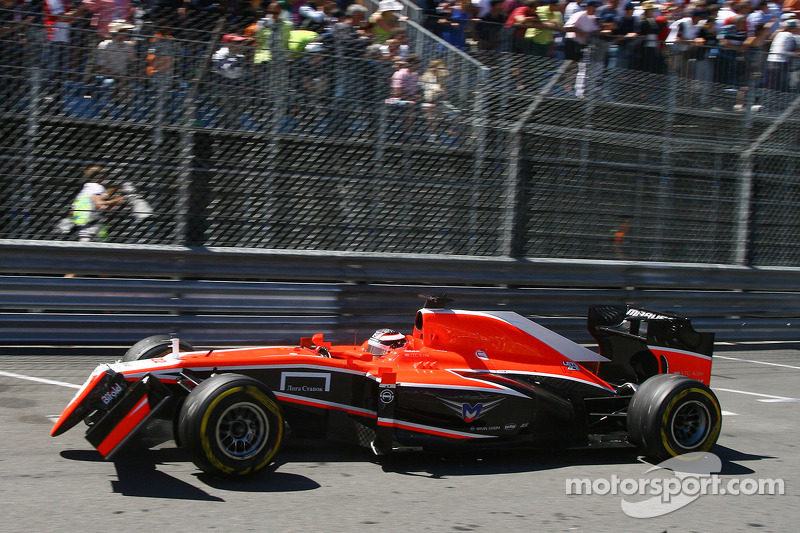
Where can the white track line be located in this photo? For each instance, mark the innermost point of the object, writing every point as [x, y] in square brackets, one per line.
[756, 362]
[768, 397]
[40, 380]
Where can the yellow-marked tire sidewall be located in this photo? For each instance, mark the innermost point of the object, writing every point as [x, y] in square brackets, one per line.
[673, 449]
[200, 418]
[208, 426]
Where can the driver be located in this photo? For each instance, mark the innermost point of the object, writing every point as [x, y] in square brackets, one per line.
[385, 340]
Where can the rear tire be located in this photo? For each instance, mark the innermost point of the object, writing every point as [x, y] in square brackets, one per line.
[671, 415]
[231, 426]
[154, 346]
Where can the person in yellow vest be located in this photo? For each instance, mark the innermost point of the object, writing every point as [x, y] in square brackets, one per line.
[542, 33]
[91, 202]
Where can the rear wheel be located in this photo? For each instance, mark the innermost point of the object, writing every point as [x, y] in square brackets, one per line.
[672, 414]
[231, 426]
[154, 346]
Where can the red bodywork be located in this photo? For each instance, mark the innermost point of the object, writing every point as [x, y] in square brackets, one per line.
[462, 375]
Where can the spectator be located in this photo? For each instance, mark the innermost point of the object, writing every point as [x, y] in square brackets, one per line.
[453, 19]
[489, 28]
[579, 29]
[394, 50]
[572, 7]
[59, 20]
[542, 34]
[106, 11]
[161, 51]
[627, 32]
[519, 21]
[732, 59]
[92, 202]
[650, 57]
[510, 5]
[774, 10]
[405, 87]
[272, 32]
[386, 21]
[433, 83]
[760, 15]
[783, 53]
[232, 76]
[685, 42]
[116, 58]
[406, 91]
[315, 16]
[350, 41]
[612, 7]
[11, 75]
[704, 66]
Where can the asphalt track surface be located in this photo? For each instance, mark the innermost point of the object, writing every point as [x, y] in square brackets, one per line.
[62, 484]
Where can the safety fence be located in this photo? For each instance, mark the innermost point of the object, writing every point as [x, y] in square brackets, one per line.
[517, 156]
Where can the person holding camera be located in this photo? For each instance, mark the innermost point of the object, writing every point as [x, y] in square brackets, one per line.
[92, 202]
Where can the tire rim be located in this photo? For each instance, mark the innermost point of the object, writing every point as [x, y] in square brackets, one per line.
[242, 431]
[690, 425]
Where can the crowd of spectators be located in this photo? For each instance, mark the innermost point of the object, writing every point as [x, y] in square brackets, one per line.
[732, 42]
[153, 43]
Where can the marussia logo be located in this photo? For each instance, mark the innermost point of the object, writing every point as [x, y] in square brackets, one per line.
[470, 413]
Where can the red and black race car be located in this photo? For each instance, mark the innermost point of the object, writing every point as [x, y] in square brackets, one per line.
[470, 378]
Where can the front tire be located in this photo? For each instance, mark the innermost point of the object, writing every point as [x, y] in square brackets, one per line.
[231, 426]
[671, 415]
[154, 346]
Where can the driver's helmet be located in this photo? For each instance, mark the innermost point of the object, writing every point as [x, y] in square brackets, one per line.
[384, 340]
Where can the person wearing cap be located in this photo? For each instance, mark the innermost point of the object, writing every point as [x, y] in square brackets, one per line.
[116, 55]
[232, 70]
[579, 29]
[627, 33]
[386, 21]
[783, 52]
[651, 58]
[116, 59]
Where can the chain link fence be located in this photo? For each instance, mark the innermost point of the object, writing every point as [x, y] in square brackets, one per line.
[310, 149]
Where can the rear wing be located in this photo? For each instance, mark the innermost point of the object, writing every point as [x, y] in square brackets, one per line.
[643, 343]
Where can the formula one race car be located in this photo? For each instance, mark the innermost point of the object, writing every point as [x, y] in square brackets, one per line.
[472, 378]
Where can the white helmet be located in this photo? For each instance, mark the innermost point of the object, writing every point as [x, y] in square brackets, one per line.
[385, 340]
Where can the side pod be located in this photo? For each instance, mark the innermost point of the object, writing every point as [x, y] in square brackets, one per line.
[144, 399]
[643, 343]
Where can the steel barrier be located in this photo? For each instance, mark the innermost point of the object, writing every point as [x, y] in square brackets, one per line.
[346, 296]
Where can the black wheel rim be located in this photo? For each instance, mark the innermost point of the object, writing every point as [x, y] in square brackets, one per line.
[690, 425]
[242, 431]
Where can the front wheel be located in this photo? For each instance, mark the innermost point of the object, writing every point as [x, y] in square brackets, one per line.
[672, 414]
[231, 426]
